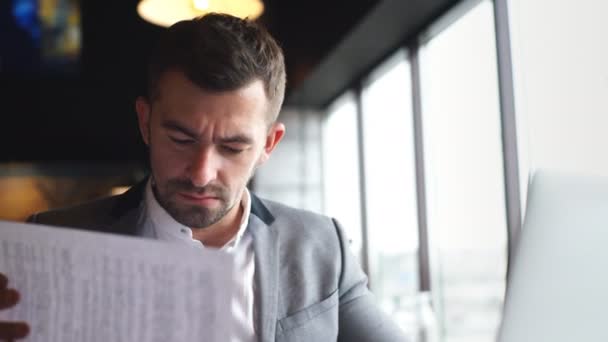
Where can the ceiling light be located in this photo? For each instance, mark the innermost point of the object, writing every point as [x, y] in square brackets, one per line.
[168, 12]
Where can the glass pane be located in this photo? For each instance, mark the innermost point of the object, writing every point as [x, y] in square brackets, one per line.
[341, 188]
[561, 85]
[391, 189]
[464, 175]
[293, 174]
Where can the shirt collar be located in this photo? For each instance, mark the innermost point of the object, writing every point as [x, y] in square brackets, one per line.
[168, 229]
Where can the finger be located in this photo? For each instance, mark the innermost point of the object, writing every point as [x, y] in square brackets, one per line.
[3, 281]
[8, 298]
[13, 330]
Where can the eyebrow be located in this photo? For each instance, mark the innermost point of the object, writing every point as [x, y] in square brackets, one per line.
[236, 139]
[172, 125]
[233, 139]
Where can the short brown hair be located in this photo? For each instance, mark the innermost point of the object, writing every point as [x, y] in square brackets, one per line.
[219, 52]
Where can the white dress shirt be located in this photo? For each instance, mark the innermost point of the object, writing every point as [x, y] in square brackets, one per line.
[158, 224]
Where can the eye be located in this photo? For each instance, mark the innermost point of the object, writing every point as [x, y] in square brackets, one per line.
[231, 150]
[182, 141]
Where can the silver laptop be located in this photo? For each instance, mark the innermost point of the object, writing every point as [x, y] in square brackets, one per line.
[558, 288]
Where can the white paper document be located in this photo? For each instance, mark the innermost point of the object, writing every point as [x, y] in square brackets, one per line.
[84, 286]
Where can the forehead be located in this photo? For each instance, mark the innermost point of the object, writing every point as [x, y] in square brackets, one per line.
[181, 99]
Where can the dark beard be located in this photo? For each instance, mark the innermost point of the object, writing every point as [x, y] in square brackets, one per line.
[193, 216]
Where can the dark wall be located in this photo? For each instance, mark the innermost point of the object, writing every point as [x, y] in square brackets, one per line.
[88, 115]
[85, 115]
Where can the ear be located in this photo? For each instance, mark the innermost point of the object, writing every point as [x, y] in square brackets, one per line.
[143, 108]
[274, 136]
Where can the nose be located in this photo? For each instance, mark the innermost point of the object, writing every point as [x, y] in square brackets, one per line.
[203, 166]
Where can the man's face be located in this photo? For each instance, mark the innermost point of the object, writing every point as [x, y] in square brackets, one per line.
[204, 146]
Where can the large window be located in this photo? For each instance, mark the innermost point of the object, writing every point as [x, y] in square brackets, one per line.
[371, 145]
[464, 176]
[390, 190]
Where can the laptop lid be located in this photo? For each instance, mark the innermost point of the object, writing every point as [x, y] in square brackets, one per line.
[558, 286]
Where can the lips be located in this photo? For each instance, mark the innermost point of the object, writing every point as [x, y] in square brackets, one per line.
[198, 197]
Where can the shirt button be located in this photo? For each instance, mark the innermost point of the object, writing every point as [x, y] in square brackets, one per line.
[183, 230]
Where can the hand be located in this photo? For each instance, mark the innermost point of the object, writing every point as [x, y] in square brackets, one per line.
[9, 298]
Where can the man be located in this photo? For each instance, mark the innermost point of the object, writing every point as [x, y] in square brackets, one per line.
[216, 85]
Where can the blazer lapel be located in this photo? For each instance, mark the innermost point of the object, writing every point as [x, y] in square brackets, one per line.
[265, 246]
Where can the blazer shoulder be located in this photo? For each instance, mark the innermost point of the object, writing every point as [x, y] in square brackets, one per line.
[94, 214]
[86, 215]
[305, 231]
[287, 217]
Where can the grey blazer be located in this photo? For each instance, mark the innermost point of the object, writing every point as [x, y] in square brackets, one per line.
[309, 286]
